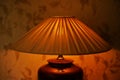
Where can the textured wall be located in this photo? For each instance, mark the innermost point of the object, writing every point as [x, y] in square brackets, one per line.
[19, 16]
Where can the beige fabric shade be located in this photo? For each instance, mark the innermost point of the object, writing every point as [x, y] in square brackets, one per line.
[61, 35]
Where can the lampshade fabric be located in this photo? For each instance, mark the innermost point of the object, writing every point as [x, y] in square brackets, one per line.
[61, 35]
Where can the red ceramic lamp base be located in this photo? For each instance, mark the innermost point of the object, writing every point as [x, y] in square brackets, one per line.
[60, 69]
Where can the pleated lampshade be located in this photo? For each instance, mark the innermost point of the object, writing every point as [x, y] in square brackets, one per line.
[61, 35]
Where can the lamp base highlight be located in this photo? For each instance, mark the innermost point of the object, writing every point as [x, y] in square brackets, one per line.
[60, 70]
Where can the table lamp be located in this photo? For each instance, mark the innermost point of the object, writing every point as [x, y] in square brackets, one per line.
[61, 35]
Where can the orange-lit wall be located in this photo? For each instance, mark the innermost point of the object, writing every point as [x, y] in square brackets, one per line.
[19, 66]
[19, 16]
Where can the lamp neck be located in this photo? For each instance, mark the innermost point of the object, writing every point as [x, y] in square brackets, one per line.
[60, 62]
[60, 57]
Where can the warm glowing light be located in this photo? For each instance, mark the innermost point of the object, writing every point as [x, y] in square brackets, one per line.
[61, 35]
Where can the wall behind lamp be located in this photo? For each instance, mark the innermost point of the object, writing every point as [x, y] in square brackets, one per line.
[19, 16]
